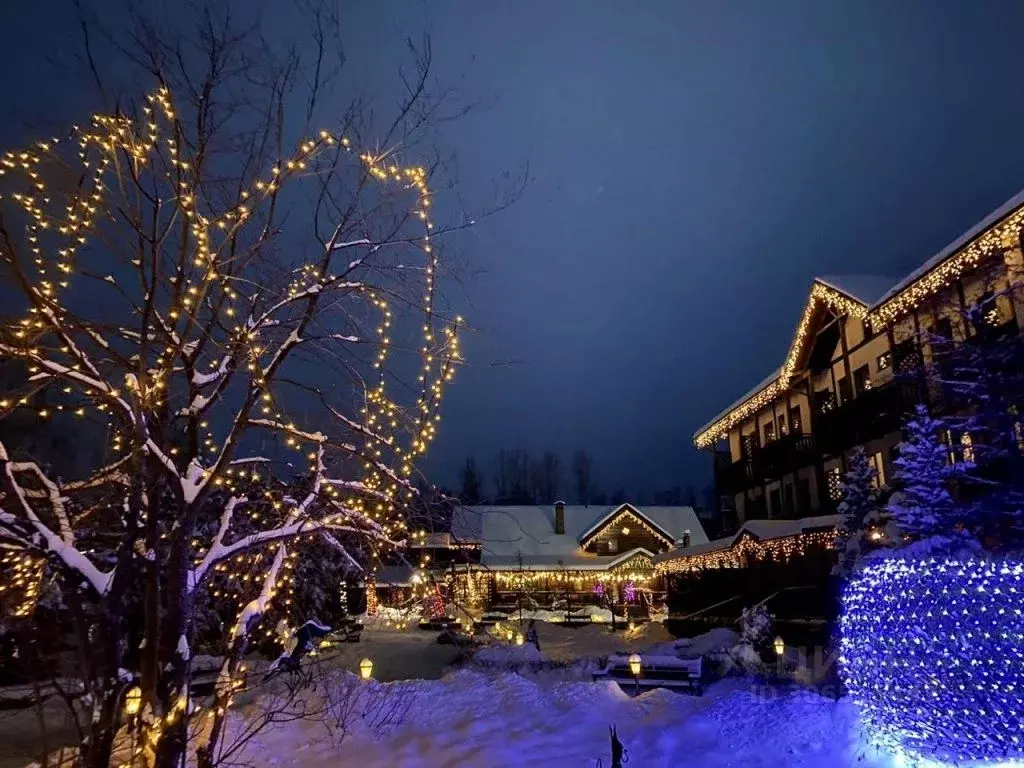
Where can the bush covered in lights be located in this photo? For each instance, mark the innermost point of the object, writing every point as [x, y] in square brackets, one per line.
[932, 652]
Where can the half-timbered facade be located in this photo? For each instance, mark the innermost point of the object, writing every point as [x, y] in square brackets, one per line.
[779, 451]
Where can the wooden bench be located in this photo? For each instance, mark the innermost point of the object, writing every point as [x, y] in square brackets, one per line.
[655, 672]
[571, 621]
[439, 624]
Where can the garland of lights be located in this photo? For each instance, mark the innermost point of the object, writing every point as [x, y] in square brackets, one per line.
[932, 652]
[778, 549]
[994, 241]
[632, 520]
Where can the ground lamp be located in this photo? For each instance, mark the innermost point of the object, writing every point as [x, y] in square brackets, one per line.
[635, 663]
[365, 669]
[932, 653]
[520, 639]
[630, 627]
[132, 701]
[780, 646]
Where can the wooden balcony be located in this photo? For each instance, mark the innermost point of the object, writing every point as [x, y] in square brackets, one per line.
[770, 462]
[874, 413]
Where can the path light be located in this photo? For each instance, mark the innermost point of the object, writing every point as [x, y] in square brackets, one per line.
[133, 700]
[780, 646]
[365, 669]
[520, 639]
[634, 666]
[631, 626]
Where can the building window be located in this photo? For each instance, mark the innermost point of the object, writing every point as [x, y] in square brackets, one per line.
[613, 546]
[769, 432]
[750, 444]
[878, 464]
[845, 391]
[967, 447]
[862, 378]
[824, 400]
[794, 420]
[884, 361]
[835, 483]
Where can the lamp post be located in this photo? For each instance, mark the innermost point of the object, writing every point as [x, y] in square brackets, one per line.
[366, 669]
[635, 663]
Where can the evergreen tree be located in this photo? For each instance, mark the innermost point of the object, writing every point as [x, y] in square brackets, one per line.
[861, 514]
[922, 505]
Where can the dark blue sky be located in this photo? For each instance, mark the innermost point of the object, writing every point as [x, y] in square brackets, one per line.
[694, 165]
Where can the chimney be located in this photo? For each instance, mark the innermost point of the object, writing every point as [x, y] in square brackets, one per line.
[683, 541]
[560, 517]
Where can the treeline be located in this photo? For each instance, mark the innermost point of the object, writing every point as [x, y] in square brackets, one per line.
[514, 476]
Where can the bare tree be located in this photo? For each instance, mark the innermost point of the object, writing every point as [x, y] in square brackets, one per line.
[546, 475]
[582, 478]
[227, 305]
[472, 483]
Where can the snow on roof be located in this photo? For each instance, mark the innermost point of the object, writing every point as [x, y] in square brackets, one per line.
[762, 530]
[508, 533]
[989, 221]
[867, 289]
[739, 401]
[874, 290]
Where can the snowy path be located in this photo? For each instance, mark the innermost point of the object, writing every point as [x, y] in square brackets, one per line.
[471, 719]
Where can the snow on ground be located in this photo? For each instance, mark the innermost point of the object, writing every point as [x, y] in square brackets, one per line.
[470, 718]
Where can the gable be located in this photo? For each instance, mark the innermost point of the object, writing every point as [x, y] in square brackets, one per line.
[629, 529]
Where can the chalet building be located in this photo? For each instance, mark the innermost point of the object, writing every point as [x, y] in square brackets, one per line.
[560, 556]
[779, 450]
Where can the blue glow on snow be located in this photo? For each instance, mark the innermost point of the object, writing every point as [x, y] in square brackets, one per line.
[932, 652]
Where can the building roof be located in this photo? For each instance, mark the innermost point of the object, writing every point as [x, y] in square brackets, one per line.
[867, 289]
[965, 239]
[507, 534]
[394, 576]
[877, 299]
[762, 530]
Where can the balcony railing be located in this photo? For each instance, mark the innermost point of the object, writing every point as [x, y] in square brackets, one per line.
[770, 462]
[874, 413]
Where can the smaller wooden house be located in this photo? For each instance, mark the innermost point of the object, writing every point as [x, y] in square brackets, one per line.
[561, 556]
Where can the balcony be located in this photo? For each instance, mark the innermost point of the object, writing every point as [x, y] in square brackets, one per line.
[874, 413]
[770, 462]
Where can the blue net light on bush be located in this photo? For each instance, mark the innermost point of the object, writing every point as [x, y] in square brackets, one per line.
[932, 652]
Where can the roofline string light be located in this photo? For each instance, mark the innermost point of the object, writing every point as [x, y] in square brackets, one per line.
[995, 240]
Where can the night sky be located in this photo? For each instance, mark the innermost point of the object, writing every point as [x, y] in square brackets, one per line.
[694, 165]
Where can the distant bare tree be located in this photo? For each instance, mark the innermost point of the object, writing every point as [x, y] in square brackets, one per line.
[512, 483]
[472, 483]
[546, 476]
[582, 477]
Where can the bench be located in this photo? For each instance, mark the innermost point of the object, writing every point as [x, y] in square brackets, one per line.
[439, 624]
[578, 620]
[655, 672]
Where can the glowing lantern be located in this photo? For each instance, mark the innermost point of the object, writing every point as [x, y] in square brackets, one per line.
[520, 639]
[133, 700]
[780, 646]
[365, 669]
[634, 664]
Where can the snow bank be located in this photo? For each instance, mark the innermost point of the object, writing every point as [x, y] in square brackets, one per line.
[718, 640]
[499, 655]
[470, 719]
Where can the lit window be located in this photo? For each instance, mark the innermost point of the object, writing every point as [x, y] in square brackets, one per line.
[878, 464]
[884, 361]
[613, 545]
[967, 447]
[835, 484]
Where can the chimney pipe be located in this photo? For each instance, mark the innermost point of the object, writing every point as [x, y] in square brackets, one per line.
[560, 518]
